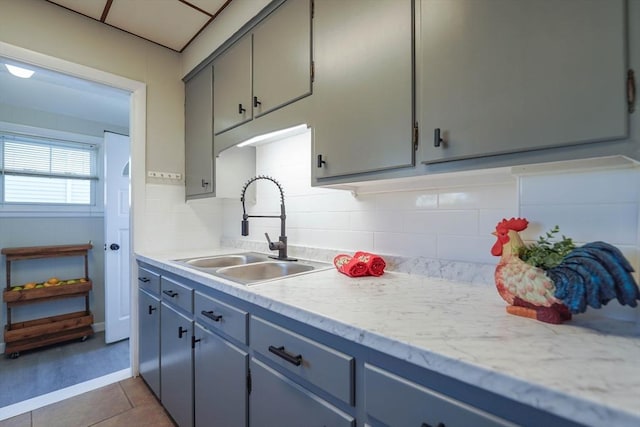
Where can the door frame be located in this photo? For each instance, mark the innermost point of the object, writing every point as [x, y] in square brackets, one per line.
[137, 132]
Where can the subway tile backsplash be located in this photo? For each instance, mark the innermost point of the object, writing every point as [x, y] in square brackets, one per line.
[444, 231]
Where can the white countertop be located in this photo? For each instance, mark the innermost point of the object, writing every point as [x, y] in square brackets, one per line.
[587, 370]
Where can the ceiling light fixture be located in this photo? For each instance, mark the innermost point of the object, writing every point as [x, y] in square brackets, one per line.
[23, 73]
[272, 136]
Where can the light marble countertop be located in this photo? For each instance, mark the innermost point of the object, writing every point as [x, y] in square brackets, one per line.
[587, 370]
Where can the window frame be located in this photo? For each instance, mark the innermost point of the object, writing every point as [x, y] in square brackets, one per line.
[95, 208]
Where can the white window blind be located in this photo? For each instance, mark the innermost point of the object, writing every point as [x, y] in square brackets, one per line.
[47, 171]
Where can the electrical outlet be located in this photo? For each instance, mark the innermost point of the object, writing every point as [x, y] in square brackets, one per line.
[164, 175]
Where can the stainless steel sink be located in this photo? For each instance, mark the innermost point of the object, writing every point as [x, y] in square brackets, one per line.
[251, 267]
[225, 260]
[264, 270]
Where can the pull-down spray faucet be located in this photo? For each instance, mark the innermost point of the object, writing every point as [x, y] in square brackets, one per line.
[281, 244]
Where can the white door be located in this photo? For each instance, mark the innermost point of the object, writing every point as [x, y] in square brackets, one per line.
[117, 251]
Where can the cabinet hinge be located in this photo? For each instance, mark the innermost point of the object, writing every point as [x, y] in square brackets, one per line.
[416, 135]
[631, 91]
[249, 382]
[313, 71]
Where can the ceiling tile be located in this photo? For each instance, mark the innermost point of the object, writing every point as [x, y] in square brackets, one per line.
[90, 8]
[211, 6]
[168, 22]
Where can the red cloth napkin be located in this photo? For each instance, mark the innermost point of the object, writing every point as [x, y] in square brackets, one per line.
[375, 263]
[350, 266]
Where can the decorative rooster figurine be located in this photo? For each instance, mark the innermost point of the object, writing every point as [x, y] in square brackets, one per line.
[592, 274]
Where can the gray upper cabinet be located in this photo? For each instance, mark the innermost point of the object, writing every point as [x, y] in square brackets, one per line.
[504, 76]
[268, 68]
[363, 87]
[199, 162]
[282, 57]
[232, 103]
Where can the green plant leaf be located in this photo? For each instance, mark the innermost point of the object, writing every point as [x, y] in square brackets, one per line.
[545, 252]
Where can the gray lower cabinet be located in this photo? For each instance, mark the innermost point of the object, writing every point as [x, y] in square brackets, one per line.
[176, 365]
[149, 339]
[198, 137]
[220, 365]
[506, 76]
[363, 87]
[276, 401]
[395, 401]
[220, 381]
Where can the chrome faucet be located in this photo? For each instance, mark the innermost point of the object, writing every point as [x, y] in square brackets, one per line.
[281, 244]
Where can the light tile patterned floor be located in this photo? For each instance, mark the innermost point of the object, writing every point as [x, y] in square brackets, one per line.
[126, 403]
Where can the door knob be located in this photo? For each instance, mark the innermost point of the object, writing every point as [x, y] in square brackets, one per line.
[114, 246]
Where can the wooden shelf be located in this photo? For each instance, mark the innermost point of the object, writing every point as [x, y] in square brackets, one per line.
[19, 336]
[34, 252]
[16, 297]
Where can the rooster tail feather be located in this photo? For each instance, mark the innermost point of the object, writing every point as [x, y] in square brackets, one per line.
[607, 286]
[561, 281]
[592, 281]
[572, 289]
[615, 252]
[626, 290]
[597, 273]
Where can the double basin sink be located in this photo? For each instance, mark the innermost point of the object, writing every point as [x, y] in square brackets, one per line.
[251, 267]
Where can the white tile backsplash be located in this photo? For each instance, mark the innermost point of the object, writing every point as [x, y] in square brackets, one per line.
[457, 222]
[439, 227]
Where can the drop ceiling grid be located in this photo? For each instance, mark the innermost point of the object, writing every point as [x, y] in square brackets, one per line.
[211, 6]
[90, 8]
[167, 22]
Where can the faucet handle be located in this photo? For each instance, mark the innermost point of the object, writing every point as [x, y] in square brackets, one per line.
[273, 246]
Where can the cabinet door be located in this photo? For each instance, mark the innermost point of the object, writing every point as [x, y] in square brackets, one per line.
[199, 162]
[396, 401]
[363, 87]
[278, 401]
[220, 376]
[282, 57]
[176, 365]
[149, 340]
[232, 87]
[500, 76]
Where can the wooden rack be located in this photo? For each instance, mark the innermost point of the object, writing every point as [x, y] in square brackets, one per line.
[35, 333]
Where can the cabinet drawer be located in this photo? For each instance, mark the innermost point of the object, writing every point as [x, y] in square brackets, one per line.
[149, 280]
[218, 316]
[320, 365]
[177, 294]
[396, 401]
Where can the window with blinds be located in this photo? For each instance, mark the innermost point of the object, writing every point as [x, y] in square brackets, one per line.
[39, 171]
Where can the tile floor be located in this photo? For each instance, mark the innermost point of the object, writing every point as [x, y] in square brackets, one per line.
[127, 403]
[47, 369]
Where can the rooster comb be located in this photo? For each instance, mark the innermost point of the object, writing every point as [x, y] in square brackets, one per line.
[516, 224]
